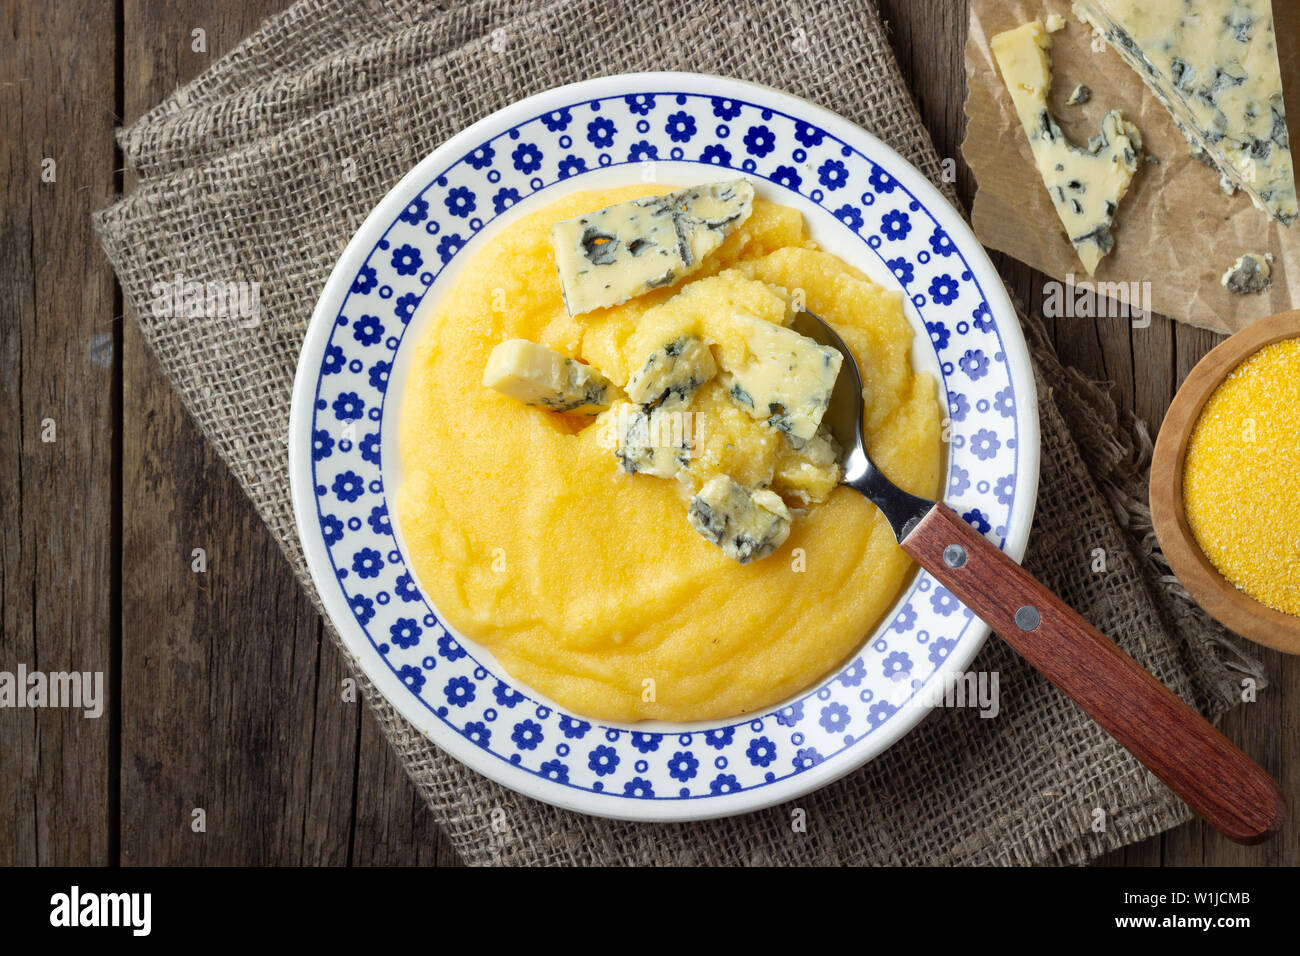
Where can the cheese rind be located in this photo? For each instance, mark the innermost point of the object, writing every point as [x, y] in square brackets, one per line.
[670, 375]
[1085, 185]
[786, 379]
[607, 257]
[746, 525]
[535, 375]
[1214, 66]
[1249, 274]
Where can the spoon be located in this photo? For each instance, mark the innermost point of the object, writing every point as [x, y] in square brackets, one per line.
[1210, 773]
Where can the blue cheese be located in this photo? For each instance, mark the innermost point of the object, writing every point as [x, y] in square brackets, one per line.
[747, 525]
[785, 379]
[535, 375]
[656, 442]
[607, 257]
[671, 374]
[1214, 66]
[1249, 274]
[1085, 185]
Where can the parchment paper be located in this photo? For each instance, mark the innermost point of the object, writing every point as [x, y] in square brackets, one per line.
[1175, 229]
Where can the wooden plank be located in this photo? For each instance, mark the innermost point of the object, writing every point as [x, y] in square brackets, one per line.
[58, 364]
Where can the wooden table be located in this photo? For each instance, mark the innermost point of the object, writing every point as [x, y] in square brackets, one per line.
[98, 526]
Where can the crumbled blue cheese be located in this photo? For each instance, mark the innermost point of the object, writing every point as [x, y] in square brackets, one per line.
[607, 257]
[786, 379]
[1085, 185]
[1079, 95]
[535, 375]
[747, 525]
[654, 442]
[670, 375]
[1249, 274]
[1214, 66]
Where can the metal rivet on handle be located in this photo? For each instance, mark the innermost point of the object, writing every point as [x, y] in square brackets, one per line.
[1028, 618]
[954, 556]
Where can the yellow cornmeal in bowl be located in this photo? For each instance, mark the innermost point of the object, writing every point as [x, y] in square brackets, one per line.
[1241, 479]
[588, 584]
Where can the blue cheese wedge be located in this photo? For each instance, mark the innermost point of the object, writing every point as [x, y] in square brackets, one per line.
[609, 256]
[671, 374]
[785, 379]
[535, 375]
[1249, 274]
[747, 525]
[1214, 66]
[1085, 185]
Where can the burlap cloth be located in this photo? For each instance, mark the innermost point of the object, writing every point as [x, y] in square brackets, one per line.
[241, 178]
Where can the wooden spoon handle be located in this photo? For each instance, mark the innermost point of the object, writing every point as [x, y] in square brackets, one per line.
[1228, 789]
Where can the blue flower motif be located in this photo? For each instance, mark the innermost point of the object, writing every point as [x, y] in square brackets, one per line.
[854, 674]
[761, 751]
[332, 528]
[901, 268]
[572, 165]
[680, 127]
[481, 158]
[363, 609]
[976, 519]
[985, 444]
[905, 621]
[944, 289]
[716, 154]
[506, 696]
[940, 648]
[407, 260]
[787, 176]
[370, 448]
[557, 120]
[333, 360]
[851, 216]
[460, 201]
[405, 632]
[348, 406]
[600, 132]
[938, 334]
[959, 481]
[416, 212]
[941, 243]
[790, 714]
[527, 735]
[477, 732]
[646, 743]
[641, 151]
[459, 691]
[719, 737]
[378, 520]
[897, 665]
[412, 677]
[881, 181]
[448, 246]
[835, 717]
[895, 224]
[555, 770]
[880, 711]
[833, 174]
[526, 158]
[724, 783]
[449, 649]
[366, 280]
[368, 330]
[322, 445]
[638, 787]
[725, 109]
[958, 406]
[404, 308]
[982, 318]
[808, 135]
[379, 375]
[760, 141]
[1005, 402]
[368, 563]
[504, 198]
[806, 757]
[405, 587]
[974, 363]
[683, 765]
[573, 728]
[640, 103]
[943, 601]
[348, 486]
[602, 761]
[1005, 488]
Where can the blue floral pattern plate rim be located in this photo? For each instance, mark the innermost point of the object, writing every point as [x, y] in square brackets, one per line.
[864, 203]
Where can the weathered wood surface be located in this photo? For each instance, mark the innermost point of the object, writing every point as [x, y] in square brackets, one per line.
[97, 528]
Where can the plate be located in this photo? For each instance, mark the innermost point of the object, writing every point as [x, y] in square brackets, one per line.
[862, 202]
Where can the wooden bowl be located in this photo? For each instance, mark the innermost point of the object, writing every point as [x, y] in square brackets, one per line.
[1232, 607]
